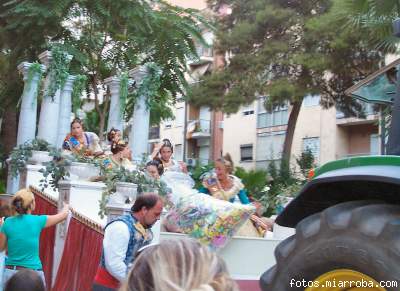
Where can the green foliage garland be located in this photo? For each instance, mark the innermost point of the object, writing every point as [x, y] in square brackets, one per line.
[34, 69]
[123, 91]
[58, 70]
[54, 171]
[77, 89]
[149, 87]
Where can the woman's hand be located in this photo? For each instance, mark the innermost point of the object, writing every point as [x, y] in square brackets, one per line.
[156, 150]
[183, 167]
[66, 208]
[57, 218]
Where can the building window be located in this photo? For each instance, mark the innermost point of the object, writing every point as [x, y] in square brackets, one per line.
[246, 152]
[312, 143]
[168, 123]
[178, 152]
[154, 132]
[311, 100]
[269, 148]
[179, 117]
[248, 109]
[278, 116]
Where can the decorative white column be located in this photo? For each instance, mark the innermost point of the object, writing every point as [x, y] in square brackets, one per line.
[50, 108]
[139, 134]
[12, 182]
[65, 110]
[115, 118]
[27, 116]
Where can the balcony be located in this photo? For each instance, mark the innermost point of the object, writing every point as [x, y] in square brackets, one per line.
[197, 129]
[205, 56]
[371, 116]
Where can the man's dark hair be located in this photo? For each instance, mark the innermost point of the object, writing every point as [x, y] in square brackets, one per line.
[148, 200]
[25, 280]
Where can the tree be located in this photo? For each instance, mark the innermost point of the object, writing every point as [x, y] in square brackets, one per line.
[285, 50]
[104, 38]
[41, 21]
[373, 18]
[104, 46]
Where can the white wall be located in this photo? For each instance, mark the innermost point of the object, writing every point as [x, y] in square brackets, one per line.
[240, 129]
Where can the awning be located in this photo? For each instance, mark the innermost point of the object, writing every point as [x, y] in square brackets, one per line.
[197, 71]
[378, 87]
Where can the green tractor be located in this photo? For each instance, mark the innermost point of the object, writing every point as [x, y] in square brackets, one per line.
[347, 217]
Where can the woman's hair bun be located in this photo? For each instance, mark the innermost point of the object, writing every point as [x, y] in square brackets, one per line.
[18, 205]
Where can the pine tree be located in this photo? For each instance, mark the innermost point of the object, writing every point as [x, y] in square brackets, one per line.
[285, 50]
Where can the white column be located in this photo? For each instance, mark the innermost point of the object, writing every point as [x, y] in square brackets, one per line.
[115, 117]
[12, 182]
[65, 110]
[27, 116]
[139, 134]
[50, 108]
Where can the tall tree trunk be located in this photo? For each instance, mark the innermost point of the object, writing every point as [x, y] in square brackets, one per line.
[9, 128]
[287, 145]
[101, 125]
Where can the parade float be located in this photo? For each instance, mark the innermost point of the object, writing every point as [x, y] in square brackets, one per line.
[70, 252]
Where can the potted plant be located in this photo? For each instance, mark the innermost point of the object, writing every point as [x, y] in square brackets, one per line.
[40, 152]
[82, 167]
[127, 184]
[63, 166]
[24, 153]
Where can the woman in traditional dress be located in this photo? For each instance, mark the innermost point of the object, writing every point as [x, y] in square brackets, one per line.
[163, 151]
[82, 142]
[121, 157]
[155, 169]
[225, 186]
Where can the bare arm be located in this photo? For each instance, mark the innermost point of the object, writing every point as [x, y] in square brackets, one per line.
[3, 242]
[57, 218]
[156, 150]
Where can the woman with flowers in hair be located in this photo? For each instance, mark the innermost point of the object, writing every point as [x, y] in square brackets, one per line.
[114, 135]
[225, 186]
[80, 141]
[163, 152]
[121, 154]
[20, 234]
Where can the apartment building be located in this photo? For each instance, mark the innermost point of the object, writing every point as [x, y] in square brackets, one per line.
[253, 136]
[327, 132]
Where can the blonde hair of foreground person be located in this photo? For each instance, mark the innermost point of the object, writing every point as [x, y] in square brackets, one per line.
[178, 265]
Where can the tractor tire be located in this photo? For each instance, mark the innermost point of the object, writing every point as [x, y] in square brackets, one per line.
[360, 236]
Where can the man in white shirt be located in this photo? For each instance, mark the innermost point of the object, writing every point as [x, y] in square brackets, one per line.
[123, 237]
